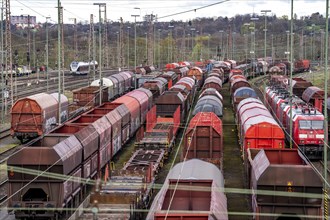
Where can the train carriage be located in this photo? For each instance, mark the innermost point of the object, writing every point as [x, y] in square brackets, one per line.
[258, 129]
[56, 154]
[36, 115]
[285, 173]
[182, 202]
[204, 139]
[211, 91]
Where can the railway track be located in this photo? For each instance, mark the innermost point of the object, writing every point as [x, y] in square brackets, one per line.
[233, 166]
[28, 86]
[319, 166]
[4, 133]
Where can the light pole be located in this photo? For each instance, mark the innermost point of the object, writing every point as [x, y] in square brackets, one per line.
[58, 58]
[254, 35]
[3, 90]
[322, 46]
[47, 53]
[128, 28]
[170, 40]
[159, 30]
[208, 45]
[265, 30]
[192, 39]
[75, 37]
[287, 44]
[326, 77]
[188, 45]
[313, 34]
[273, 54]
[233, 51]
[118, 50]
[100, 47]
[146, 33]
[221, 45]
[135, 16]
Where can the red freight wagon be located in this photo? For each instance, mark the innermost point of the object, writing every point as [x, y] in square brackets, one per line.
[143, 100]
[258, 128]
[90, 95]
[204, 138]
[125, 118]
[133, 106]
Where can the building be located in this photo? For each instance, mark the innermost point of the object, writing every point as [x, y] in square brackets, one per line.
[24, 21]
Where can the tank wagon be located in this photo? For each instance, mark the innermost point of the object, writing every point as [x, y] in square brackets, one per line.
[179, 199]
[36, 115]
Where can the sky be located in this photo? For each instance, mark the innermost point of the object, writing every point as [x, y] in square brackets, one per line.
[184, 10]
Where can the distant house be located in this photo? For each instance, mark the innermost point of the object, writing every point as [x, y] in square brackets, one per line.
[23, 21]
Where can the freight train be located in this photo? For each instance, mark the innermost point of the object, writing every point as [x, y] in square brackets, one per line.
[202, 140]
[306, 119]
[36, 115]
[71, 156]
[270, 167]
[162, 125]
[79, 150]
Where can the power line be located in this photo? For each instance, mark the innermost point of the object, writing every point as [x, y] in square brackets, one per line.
[193, 10]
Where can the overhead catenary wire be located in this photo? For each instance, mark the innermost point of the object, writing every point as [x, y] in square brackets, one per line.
[193, 10]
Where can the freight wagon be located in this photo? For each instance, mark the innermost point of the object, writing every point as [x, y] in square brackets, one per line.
[285, 178]
[179, 197]
[36, 115]
[77, 152]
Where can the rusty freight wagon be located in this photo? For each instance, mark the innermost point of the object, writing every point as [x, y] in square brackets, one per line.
[156, 86]
[283, 173]
[315, 96]
[160, 131]
[36, 115]
[57, 155]
[90, 96]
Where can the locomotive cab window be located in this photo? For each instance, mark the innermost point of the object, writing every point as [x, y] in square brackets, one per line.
[311, 124]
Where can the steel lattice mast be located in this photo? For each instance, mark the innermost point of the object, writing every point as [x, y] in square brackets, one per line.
[9, 61]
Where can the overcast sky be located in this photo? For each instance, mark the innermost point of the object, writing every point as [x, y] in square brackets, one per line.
[81, 9]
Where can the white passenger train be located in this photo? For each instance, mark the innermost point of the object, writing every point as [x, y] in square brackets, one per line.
[81, 68]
